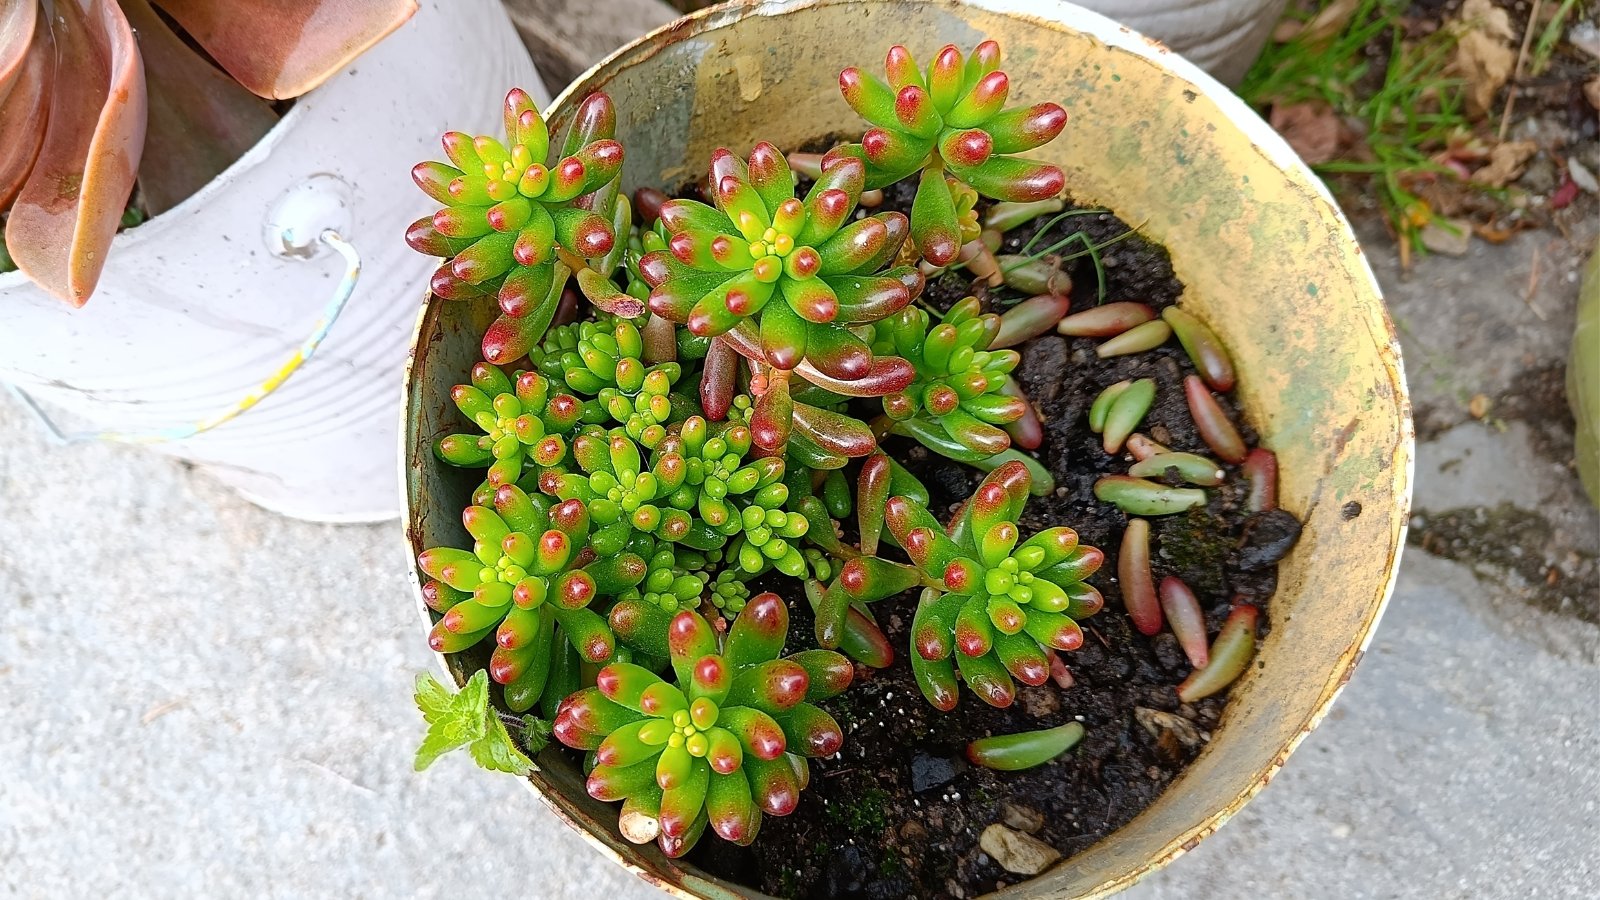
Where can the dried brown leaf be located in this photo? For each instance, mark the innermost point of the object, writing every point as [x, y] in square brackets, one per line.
[1484, 56]
[1314, 130]
[1506, 162]
[1325, 24]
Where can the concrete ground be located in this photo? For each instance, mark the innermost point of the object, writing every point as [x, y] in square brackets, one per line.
[204, 699]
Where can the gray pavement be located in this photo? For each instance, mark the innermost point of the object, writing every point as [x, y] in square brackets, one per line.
[202, 699]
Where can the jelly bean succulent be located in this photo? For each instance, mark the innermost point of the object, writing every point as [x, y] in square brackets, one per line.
[949, 122]
[793, 274]
[532, 572]
[606, 361]
[654, 463]
[517, 220]
[1000, 605]
[523, 423]
[723, 745]
[958, 400]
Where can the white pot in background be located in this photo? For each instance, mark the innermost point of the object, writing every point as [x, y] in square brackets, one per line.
[1221, 36]
[200, 305]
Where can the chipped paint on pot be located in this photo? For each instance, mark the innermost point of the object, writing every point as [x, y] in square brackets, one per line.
[1265, 255]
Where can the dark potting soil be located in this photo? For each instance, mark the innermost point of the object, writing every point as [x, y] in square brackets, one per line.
[898, 812]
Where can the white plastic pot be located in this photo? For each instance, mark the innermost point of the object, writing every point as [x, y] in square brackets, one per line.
[199, 306]
[1221, 36]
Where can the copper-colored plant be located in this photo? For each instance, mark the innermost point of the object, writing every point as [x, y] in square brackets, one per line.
[97, 95]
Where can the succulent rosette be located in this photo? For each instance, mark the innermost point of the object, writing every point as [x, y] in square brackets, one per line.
[1000, 606]
[794, 275]
[605, 360]
[512, 225]
[524, 423]
[959, 396]
[530, 570]
[723, 745]
[950, 122]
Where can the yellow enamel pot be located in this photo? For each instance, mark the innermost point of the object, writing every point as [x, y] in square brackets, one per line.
[1266, 258]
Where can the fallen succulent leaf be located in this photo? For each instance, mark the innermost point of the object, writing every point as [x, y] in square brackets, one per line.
[1506, 162]
[1314, 130]
[1591, 91]
[1483, 52]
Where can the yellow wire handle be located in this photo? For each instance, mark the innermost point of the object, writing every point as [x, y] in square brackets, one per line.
[307, 348]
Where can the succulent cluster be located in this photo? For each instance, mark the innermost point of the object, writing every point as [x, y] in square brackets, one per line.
[518, 219]
[794, 275]
[725, 743]
[958, 400]
[530, 579]
[999, 605]
[712, 423]
[949, 123]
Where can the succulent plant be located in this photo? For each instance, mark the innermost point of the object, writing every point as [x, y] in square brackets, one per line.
[655, 510]
[605, 360]
[794, 275]
[150, 109]
[720, 747]
[517, 220]
[1000, 606]
[949, 122]
[1014, 752]
[523, 423]
[959, 393]
[531, 569]
[732, 496]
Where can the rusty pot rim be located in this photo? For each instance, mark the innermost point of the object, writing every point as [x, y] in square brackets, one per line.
[1061, 16]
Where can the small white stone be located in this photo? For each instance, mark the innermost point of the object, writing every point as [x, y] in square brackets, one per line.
[1017, 852]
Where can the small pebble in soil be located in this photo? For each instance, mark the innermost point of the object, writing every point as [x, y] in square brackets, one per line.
[929, 772]
[1016, 852]
[1022, 818]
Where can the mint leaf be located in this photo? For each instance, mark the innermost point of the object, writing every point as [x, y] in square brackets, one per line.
[432, 697]
[442, 737]
[535, 733]
[496, 751]
[465, 719]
